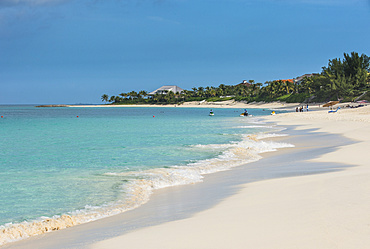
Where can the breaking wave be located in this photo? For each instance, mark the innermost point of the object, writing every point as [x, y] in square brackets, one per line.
[139, 185]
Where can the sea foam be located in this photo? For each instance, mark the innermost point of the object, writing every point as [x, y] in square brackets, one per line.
[139, 185]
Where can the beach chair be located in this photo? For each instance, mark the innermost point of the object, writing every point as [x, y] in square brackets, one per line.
[335, 110]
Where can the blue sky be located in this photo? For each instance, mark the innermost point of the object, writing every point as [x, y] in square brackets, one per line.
[73, 51]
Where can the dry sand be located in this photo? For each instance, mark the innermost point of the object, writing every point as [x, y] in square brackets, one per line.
[204, 104]
[231, 104]
[330, 210]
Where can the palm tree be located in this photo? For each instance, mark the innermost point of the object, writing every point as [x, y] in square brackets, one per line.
[270, 89]
[177, 95]
[256, 89]
[118, 99]
[221, 89]
[133, 94]
[194, 94]
[281, 87]
[157, 97]
[143, 94]
[245, 92]
[186, 94]
[123, 95]
[200, 91]
[213, 92]
[253, 89]
[289, 87]
[208, 91]
[104, 97]
[169, 97]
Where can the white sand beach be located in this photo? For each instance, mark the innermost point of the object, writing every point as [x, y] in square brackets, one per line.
[230, 104]
[204, 104]
[328, 210]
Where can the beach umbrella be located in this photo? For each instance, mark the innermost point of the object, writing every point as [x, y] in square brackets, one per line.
[330, 103]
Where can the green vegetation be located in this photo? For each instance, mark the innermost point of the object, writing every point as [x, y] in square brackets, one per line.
[347, 80]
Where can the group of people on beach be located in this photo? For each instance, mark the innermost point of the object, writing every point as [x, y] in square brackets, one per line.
[300, 109]
[351, 106]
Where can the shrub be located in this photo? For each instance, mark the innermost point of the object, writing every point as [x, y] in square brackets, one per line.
[297, 98]
[216, 99]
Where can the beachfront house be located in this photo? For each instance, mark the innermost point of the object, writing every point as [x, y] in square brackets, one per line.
[246, 83]
[166, 89]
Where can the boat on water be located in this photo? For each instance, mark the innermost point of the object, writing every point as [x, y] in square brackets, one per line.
[211, 113]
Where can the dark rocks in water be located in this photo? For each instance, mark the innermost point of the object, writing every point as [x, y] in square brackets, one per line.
[52, 106]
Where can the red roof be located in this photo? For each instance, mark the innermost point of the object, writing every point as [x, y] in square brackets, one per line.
[246, 84]
[289, 80]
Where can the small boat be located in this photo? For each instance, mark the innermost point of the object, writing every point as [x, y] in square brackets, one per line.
[211, 114]
[273, 113]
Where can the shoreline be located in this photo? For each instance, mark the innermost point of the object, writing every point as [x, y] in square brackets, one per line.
[114, 227]
[222, 104]
[327, 210]
[45, 225]
[234, 104]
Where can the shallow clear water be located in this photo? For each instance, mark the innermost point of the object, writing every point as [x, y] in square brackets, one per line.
[108, 160]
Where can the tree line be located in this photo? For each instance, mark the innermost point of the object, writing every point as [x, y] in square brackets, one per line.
[342, 79]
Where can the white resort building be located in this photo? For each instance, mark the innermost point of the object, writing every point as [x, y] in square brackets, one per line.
[166, 89]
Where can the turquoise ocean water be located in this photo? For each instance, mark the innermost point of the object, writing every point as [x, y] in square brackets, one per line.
[58, 170]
